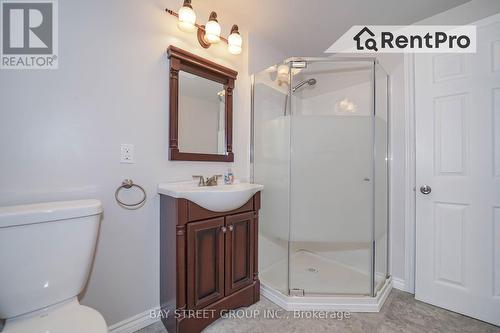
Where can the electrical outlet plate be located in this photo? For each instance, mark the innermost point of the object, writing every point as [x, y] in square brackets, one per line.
[127, 153]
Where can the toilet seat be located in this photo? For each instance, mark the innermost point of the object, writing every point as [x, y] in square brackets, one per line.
[69, 317]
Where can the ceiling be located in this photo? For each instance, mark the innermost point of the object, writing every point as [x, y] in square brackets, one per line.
[309, 27]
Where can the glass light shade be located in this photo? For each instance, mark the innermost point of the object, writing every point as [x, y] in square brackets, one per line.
[187, 19]
[212, 32]
[283, 70]
[234, 42]
[283, 75]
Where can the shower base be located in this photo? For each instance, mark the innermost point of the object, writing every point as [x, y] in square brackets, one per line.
[329, 285]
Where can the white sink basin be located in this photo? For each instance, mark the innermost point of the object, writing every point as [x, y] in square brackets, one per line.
[220, 198]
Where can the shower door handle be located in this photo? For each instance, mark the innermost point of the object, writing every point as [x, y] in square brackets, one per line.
[425, 189]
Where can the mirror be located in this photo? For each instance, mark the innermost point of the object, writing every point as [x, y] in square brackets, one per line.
[201, 108]
[202, 115]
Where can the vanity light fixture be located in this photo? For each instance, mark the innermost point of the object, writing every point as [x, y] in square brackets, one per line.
[187, 17]
[207, 34]
[212, 29]
[234, 41]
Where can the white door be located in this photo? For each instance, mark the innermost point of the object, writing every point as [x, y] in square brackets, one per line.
[457, 99]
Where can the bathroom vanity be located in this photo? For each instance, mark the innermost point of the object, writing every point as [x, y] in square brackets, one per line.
[208, 234]
[208, 259]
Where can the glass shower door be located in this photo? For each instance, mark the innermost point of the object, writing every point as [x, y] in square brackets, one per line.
[381, 188]
[331, 179]
[271, 167]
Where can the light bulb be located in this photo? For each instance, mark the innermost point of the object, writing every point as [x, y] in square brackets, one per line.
[187, 17]
[212, 29]
[234, 41]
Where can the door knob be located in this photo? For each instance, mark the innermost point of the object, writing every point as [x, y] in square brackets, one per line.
[230, 228]
[223, 229]
[425, 189]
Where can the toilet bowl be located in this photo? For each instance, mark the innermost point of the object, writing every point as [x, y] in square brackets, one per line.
[46, 252]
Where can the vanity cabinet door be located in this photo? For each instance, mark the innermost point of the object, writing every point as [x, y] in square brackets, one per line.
[205, 262]
[240, 246]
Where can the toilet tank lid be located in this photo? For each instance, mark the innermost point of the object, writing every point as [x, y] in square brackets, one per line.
[48, 211]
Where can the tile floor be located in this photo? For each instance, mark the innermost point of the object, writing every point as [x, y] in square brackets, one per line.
[401, 313]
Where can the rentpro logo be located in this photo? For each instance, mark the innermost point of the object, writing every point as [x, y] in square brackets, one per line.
[388, 39]
[407, 39]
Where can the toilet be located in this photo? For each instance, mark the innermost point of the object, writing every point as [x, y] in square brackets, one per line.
[46, 253]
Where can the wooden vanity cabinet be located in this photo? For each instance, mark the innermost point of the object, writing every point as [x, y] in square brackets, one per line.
[208, 262]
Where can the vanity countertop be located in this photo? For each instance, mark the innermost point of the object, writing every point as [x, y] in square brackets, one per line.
[220, 198]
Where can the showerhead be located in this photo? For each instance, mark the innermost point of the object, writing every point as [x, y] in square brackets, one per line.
[310, 82]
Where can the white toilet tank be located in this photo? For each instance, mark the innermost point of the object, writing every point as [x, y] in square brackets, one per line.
[46, 252]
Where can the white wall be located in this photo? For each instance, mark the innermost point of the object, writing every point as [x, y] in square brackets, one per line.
[467, 13]
[262, 54]
[61, 130]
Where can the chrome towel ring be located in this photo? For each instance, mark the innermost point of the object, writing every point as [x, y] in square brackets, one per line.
[127, 184]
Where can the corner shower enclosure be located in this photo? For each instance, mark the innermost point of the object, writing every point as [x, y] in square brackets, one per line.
[320, 147]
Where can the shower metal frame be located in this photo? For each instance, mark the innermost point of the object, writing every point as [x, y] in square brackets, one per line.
[374, 63]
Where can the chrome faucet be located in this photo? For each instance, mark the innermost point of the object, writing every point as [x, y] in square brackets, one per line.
[210, 181]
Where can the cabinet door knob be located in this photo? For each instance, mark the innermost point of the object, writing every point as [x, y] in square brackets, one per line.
[230, 228]
[223, 229]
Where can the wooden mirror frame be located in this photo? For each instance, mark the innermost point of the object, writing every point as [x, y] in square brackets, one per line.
[181, 60]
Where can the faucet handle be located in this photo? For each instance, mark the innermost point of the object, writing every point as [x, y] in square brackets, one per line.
[216, 178]
[212, 181]
[201, 181]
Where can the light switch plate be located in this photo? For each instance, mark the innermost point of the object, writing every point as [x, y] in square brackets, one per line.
[127, 153]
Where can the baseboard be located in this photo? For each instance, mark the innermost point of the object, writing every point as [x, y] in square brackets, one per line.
[134, 323]
[400, 284]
